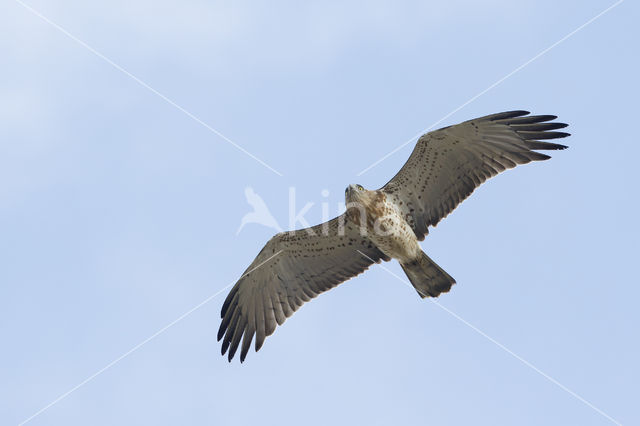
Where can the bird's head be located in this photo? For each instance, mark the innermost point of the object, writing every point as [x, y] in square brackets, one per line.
[353, 193]
[359, 201]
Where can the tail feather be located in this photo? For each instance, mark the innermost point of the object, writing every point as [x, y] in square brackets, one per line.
[428, 278]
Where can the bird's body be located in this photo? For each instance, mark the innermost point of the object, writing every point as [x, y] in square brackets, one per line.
[444, 168]
[382, 221]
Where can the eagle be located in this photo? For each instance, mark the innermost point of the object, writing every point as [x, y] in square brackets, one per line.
[445, 167]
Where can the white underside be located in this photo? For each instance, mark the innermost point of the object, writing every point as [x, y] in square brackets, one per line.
[394, 237]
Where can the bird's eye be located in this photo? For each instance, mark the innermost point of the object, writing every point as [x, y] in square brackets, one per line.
[360, 187]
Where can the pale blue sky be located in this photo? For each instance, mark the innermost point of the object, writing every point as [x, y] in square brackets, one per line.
[118, 212]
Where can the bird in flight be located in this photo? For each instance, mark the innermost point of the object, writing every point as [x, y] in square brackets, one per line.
[444, 168]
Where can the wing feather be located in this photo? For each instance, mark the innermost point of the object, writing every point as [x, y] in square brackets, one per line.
[447, 165]
[291, 269]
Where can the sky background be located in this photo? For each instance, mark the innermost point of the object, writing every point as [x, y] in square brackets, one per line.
[118, 212]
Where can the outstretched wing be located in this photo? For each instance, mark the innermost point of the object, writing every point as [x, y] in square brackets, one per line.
[448, 164]
[292, 268]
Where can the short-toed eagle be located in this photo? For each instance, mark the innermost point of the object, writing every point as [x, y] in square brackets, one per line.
[444, 168]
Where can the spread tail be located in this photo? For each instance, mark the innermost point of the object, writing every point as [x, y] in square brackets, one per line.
[428, 278]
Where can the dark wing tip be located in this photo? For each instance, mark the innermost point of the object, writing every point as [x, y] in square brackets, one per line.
[533, 129]
[229, 299]
[506, 115]
[232, 351]
[224, 347]
[536, 145]
[527, 119]
[259, 343]
[541, 134]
